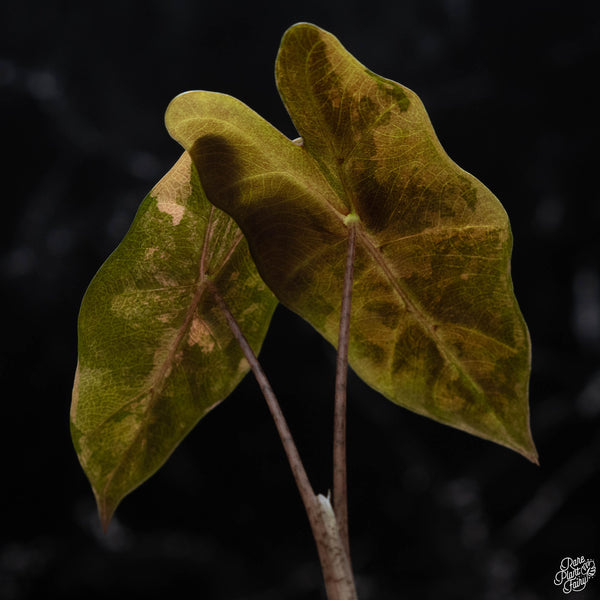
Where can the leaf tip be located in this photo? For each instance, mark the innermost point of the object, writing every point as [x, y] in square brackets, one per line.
[532, 455]
[106, 511]
[105, 523]
[527, 449]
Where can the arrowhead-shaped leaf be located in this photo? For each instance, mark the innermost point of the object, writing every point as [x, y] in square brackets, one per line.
[155, 352]
[435, 325]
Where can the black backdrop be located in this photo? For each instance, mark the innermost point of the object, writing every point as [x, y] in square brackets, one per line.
[511, 89]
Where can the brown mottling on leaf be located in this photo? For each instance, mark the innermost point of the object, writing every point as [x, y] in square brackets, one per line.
[243, 366]
[174, 188]
[165, 279]
[252, 308]
[163, 358]
[450, 402]
[168, 206]
[201, 335]
[387, 312]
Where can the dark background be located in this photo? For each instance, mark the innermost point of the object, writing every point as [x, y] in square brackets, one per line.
[511, 90]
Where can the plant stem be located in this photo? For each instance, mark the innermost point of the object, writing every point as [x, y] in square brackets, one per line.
[339, 581]
[287, 440]
[340, 485]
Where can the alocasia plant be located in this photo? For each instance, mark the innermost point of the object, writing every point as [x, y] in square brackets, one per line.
[365, 203]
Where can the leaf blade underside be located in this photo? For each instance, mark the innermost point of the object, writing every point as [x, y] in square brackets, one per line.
[155, 352]
[435, 324]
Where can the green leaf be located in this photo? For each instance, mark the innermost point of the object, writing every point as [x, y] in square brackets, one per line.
[435, 325]
[155, 352]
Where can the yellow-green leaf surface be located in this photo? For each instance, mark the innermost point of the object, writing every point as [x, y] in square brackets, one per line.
[435, 325]
[155, 351]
